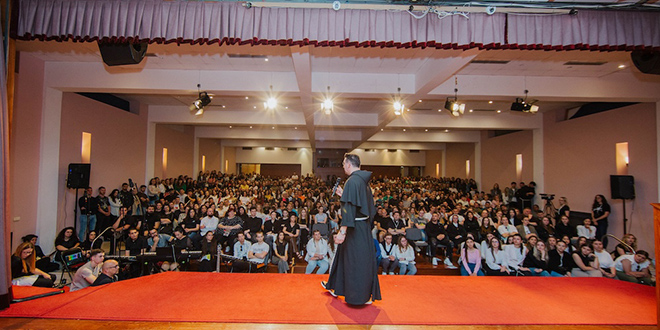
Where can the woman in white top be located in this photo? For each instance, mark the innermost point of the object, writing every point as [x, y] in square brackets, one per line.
[496, 259]
[406, 256]
[506, 229]
[604, 259]
[115, 203]
[586, 230]
[516, 253]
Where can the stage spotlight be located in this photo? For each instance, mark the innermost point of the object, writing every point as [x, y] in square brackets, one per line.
[198, 105]
[456, 108]
[327, 106]
[398, 108]
[521, 105]
[271, 103]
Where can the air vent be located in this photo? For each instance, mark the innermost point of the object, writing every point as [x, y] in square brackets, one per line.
[247, 148]
[489, 61]
[292, 149]
[391, 150]
[413, 151]
[270, 148]
[369, 150]
[584, 63]
[246, 56]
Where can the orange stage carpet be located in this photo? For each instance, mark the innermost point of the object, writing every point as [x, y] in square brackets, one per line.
[294, 298]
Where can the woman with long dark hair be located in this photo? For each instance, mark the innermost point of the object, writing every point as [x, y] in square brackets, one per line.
[600, 210]
[209, 252]
[24, 271]
[65, 240]
[281, 253]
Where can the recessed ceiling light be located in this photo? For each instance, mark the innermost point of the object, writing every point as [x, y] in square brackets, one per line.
[426, 130]
[266, 59]
[273, 127]
[295, 128]
[247, 98]
[490, 102]
[420, 101]
[286, 107]
[255, 107]
[439, 110]
[446, 131]
[622, 66]
[499, 111]
[230, 126]
[223, 106]
[381, 129]
[404, 129]
[407, 109]
[471, 110]
[250, 126]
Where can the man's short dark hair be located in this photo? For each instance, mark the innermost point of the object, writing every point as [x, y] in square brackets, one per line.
[101, 187]
[124, 184]
[95, 252]
[353, 159]
[643, 253]
[142, 186]
[253, 208]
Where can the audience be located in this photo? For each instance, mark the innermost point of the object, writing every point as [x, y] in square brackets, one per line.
[24, 271]
[87, 273]
[267, 220]
[108, 274]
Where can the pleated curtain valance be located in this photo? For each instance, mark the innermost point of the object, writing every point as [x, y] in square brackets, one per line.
[156, 21]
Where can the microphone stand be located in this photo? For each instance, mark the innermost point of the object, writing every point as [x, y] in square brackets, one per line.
[98, 236]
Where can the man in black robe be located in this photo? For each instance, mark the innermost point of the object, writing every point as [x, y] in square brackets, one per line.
[354, 272]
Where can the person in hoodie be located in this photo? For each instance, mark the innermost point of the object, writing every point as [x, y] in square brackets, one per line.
[354, 272]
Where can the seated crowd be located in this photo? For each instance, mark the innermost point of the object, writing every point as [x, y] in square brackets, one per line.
[258, 220]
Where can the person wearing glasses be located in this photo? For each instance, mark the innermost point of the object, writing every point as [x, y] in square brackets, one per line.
[108, 274]
[634, 268]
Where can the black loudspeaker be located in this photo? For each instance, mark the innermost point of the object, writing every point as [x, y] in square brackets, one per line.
[623, 186]
[78, 176]
[122, 53]
[646, 62]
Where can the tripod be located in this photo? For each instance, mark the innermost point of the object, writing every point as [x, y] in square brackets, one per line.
[549, 208]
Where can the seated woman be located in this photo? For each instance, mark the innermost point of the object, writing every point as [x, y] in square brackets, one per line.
[586, 230]
[486, 228]
[537, 259]
[406, 256]
[43, 261]
[86, 246]
[586, 263]
[470, 259]
[65, 240]
[506, 229]
[24, 271]
[291, 230]
[604, 258]
[281, 253]
[545, 229]
[496, 259]
[634, 268]
[621, 249]
[455, 231]
[516, 253]
[569, 246]
[209, 253]
[564, 228]
[332, 248]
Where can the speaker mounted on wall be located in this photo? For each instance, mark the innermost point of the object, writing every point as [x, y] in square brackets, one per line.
[78, 176]
[646, 61]
[622, 186]
[123, 53]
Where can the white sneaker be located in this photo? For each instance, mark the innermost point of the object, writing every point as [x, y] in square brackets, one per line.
[434, 261]
[391, 273]
[449, 265]
[384, 273]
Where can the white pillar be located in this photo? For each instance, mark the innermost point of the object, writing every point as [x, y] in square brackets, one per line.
[151, 152]
[537, 141]
[49, 160]
[477, 165]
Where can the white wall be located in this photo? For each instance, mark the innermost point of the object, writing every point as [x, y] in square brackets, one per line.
[383, 157]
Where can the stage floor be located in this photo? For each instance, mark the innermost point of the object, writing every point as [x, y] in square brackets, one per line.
[299, 299]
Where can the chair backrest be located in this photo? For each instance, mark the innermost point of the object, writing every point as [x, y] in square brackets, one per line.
[414, 234]
[322, 228]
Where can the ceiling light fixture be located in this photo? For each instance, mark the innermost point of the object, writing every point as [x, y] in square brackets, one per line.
[271, 103]
[452, 103]
[327, 106]
[398, 105]
[521, 105]
[202, 100]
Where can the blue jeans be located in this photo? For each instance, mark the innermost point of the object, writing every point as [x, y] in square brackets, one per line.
[542, 273]
[555, 274]
[322, 264]
[412, 270]
[472, 266]
[84, 220]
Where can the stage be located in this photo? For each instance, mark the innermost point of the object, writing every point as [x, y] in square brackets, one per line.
[299, 299]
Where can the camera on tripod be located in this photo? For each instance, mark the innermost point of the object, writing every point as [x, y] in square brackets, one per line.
[548, 197]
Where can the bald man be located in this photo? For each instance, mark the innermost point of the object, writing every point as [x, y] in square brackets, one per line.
[108, 274]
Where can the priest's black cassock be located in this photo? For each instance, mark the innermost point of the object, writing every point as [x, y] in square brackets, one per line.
[354, 272]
